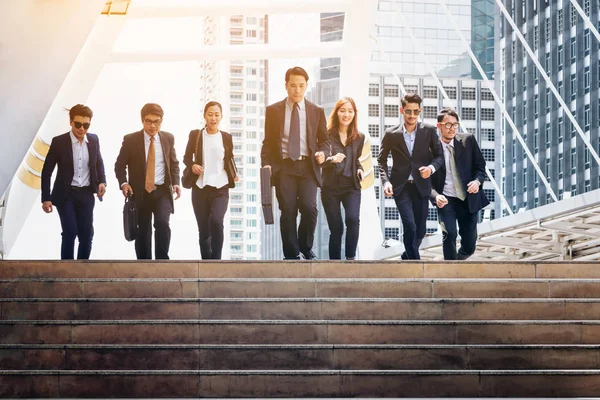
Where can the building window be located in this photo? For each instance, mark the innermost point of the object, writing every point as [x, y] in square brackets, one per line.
[574, 16]
[536, 106]
[391, 110]
[547, 168]
[573, 49]
[586, 158]
[251, 198]
[548, 67]
[548, 100]
[373, 110]
[547, 31]
[548, 136]
[586, 7]
[432, 214]
[561, 161]
[559, 21]
[374, 151]
[390, 91]
[573, 87]
[488, 154]
[430, 112]
[374, 89]
[468, 113]
[573, 161]
[411, 89]
[586, 42]
[451, 92]
[536, 37]
[490, 194]
[586, 79]
[486, 95]
[488, 134]
[430, 92]
[373, 130]
[251, 223]
[468, 93]
[392, 233]
[487, 114]
[560, 57]
[391, 213]
[586, 117]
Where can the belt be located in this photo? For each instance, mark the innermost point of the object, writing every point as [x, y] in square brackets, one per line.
[80, 188]
[301, 158]
[410, 181]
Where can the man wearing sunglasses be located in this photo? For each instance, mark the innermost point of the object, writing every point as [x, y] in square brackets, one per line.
[416, 154]
[456, 187]
[80, 174]
[148, 157]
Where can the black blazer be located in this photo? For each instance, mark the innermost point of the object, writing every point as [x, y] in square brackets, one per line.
[471, 166]
[61, 153]
[427, 150]
[316, 131]
[228, 161]
[329, 170]
[132, 160]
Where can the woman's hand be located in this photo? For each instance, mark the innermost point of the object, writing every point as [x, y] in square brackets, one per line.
[197, 169]
[338, 158]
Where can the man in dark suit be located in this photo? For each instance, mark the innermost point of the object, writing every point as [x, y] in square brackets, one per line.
[416, 154]
[80, 175]
[149, 156]
[295, 145]
[456, 187]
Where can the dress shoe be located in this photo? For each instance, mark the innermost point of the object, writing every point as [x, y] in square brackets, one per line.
[310, 256]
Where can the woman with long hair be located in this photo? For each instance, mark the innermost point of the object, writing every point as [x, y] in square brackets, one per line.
[210, 172]
[342, 173]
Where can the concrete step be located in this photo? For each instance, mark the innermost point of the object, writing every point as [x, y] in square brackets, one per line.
[300, 309]
[299, 332]
[298, 287]
[296, 269]
[290, 357]
[300, 383]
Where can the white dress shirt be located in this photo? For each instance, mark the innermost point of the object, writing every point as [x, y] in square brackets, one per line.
[289, 106]
[159, 165]
[81, 161]
[449, 189]
[213, 154]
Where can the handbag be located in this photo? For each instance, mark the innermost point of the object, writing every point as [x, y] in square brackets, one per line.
[130, 219]
[188, 178]
[266, 195]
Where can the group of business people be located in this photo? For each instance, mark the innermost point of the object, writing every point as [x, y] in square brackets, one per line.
[303, 151]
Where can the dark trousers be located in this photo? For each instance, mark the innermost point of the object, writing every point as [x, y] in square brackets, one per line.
[158, 203]
[457, 211]
[77, 221]
[297, 191]
[342, 191]
[413, 213]
[210, 206]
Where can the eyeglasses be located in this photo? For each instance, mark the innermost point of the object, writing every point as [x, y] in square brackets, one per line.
[450, 125]
[78, 125]
[156, 122]
[412, 112]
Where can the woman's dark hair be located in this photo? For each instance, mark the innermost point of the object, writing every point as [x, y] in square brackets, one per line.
[333, 124]
[81, 110]
[152, 108]
[212, 103]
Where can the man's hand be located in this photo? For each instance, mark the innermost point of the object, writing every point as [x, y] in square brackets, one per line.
[47, 206]
[197, 169]
[177, 189]
[126, 188]
[101, 190]
[425, 172]
[360, 173]
[441, 200]
[473, 186]
[388, 190]
[338, 158]
[320, 157]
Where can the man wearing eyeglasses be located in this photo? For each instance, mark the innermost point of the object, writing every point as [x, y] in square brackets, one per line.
[80, 174]
[416, 154]
[456, 187]
[148, 156]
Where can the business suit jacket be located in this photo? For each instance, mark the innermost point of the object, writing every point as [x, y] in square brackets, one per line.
[132, 160]
[427, 150]
[228, 161]
[316, 137]
[329, 167]
[61, 153]
[471, 166]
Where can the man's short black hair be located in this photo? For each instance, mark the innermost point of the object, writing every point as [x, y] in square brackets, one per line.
[152, 108]
[80, 110]
[295, 71]
[447, 111]
[411, 98]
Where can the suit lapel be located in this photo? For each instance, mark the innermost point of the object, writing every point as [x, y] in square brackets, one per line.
[69, 149]
[401, 141]
[141, 148]
[282, 116]
[310, 139]
[458, 148]
[165, 149]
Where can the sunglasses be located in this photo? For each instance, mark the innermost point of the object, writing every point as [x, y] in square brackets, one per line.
[151, 122]
[412, 112]
[449, 125]
[78, 125]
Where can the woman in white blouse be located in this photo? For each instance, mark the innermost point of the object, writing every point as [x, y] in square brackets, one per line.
[211, 172]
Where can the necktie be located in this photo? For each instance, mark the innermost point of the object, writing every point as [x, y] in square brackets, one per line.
[458, 187]
[150, 167]
[294, 142]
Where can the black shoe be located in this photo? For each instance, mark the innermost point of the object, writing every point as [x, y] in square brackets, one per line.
[404, 256]
[292, 258]
[310, 256]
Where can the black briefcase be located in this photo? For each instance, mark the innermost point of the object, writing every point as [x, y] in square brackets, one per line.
[130, 219]
[266, 195]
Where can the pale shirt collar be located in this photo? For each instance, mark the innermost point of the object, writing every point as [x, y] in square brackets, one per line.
[451, 143]
[404, 130]
[75, 140]
[147, 137]
[290, 103]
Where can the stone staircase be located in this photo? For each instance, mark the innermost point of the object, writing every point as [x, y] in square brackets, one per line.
[299, 329]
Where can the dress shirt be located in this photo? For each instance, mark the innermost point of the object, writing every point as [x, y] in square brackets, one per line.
[159, 166]
[213, 154]
[289, 106]
[409, 139]
[449, 189]
[81, 161]
[343, 168]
